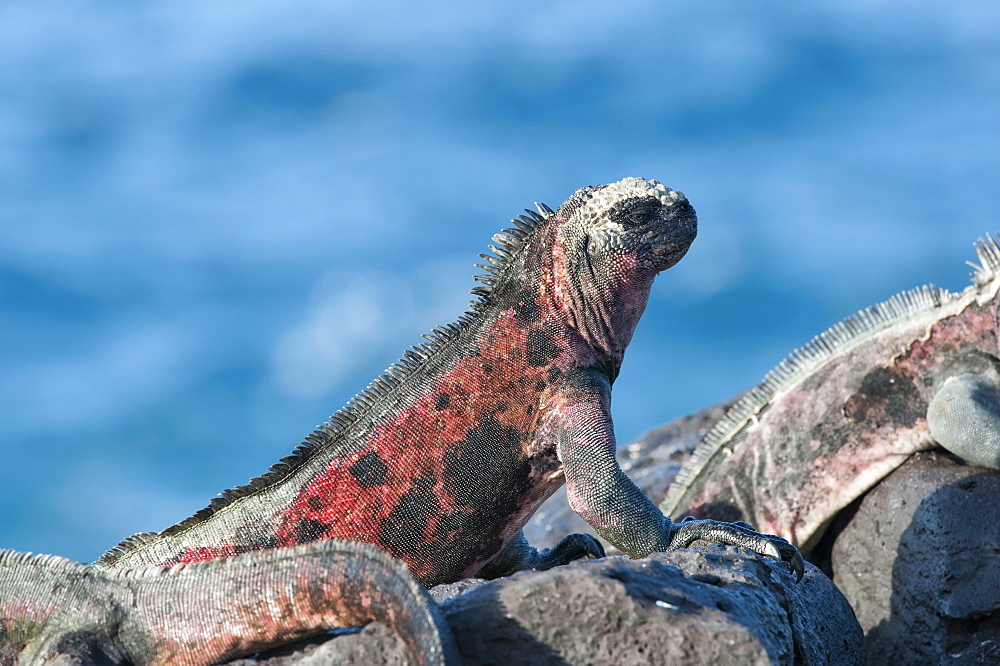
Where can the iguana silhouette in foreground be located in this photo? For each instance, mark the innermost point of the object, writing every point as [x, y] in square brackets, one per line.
[918, 370]
[443, 458]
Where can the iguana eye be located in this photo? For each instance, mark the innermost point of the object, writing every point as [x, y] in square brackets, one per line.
[638, 219]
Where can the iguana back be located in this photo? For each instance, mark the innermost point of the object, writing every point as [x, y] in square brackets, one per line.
[840, 413]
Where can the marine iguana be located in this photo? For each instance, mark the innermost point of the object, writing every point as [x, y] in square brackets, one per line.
[918, 370]
[444, 457]
[439, 462]
[53, 610]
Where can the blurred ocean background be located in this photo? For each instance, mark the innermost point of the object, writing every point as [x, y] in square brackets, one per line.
[218, 220]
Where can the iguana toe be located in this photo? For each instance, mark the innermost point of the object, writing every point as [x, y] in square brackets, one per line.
[571, 547]
[738, 534]
[791, 554]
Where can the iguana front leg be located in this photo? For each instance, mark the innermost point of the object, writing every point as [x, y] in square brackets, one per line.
[600, 492]
[56, 611]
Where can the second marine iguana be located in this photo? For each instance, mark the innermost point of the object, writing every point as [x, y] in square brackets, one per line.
[829, 422]
[443, 458]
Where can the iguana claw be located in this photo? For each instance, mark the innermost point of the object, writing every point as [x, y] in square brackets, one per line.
[738, 534]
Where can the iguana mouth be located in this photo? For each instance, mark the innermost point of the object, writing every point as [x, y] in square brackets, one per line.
[670, 241]
[669, 252]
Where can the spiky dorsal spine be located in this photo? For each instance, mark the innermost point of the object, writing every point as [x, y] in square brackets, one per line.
[988, 268]
[13, 558]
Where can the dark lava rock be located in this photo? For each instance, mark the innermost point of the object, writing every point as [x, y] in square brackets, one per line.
[448, 591]
[920, 563]
[718, 605]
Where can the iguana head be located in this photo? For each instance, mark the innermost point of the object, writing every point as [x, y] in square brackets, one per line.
[635, 223]
[590, 264]
[610, 241]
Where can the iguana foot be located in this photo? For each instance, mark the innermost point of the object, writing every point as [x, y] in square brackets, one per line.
[738, 534]
[964, 417]
[519, 555]
[571, 547]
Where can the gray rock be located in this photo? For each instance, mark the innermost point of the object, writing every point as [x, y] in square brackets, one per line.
[920, 563]
[448, 591]
[375, 645]
[722, 606]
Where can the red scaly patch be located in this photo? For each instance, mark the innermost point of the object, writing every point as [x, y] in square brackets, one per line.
[443, 482]
[206, 553]
[398, 488]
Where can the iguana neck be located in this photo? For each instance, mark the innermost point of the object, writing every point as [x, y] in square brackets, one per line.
[600, 306]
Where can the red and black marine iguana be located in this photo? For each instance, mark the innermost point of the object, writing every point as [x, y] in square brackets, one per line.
[839, 414]
[443, 458]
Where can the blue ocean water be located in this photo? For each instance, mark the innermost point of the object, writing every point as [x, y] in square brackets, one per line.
[218, 221]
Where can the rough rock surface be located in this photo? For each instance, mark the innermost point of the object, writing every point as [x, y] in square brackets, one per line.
[717, 605]
[920, 563]
[375, 645]
[651, 462]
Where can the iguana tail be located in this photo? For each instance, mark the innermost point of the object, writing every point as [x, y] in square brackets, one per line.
[204, 613]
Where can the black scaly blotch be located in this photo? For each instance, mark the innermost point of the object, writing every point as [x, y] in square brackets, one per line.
[404, 527]
[893, 393]
[95, 647]
[526, 307]
[489, 445]
[540, 347]
[308, 529]
[487, 475]
[264, 544]
[370, 470]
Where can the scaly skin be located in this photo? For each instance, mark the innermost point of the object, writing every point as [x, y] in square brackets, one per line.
[56, 611]
[443, 459]
[841, 413]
